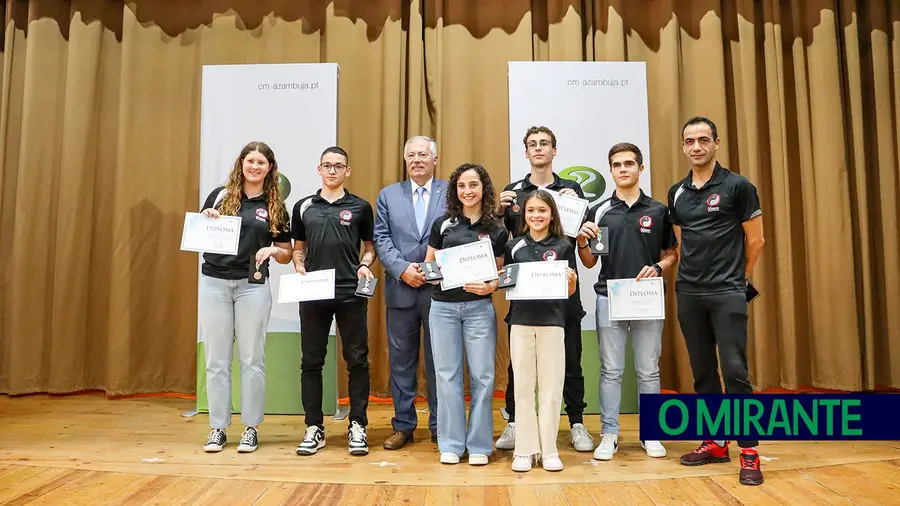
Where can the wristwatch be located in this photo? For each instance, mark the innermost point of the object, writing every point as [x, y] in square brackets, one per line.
[658, 268]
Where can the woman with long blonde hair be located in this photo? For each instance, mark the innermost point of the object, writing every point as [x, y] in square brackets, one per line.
[235, 297]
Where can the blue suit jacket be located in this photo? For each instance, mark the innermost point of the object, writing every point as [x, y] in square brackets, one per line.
[398, 241]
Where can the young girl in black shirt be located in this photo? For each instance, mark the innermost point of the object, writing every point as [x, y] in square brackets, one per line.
[537, 349]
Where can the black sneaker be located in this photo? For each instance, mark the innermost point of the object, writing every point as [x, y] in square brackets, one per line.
[312, 441]
[249, 441]
[215, 441]
[357, 439]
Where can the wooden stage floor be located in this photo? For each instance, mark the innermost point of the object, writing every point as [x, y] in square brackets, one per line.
[88, 450]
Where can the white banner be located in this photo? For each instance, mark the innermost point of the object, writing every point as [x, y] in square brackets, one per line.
[589, 106]
[290, 107]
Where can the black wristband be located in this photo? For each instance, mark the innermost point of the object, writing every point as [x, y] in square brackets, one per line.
[658, 268]
[361, 265]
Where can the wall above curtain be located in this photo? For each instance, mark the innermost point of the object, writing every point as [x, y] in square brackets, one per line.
[99, 145]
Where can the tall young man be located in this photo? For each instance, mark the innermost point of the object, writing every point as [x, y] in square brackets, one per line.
[641, 245]
[718, 222]
[405, 212]
[328, 229]
[540, 149]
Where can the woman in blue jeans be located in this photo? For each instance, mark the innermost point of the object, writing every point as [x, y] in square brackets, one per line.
[464, 319]
[235, 299]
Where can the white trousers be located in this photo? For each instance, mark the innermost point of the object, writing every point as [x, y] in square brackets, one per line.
[538, 357]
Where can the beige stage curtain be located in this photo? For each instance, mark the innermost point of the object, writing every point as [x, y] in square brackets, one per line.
[100, 153]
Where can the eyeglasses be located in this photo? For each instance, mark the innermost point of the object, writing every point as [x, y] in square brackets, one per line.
[327, 167]
[543, 144]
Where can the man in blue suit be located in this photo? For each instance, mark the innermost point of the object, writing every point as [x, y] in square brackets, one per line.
[404, 215]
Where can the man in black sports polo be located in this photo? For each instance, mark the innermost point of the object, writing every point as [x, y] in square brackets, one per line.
[718, 222]
[540, 149]
[328, 229]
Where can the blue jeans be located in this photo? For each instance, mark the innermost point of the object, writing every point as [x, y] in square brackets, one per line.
[646, 339]
[234, 310]
[471, 326]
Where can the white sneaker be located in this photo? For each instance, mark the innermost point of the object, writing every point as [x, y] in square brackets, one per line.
[521, 464]
[507, 440]
[449, 458]
[553, 464]
[581, 438]
[654, 449]
[608, 447]
[478, 459]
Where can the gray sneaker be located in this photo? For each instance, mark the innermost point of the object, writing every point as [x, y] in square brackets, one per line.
[581, 438]
[507, 440]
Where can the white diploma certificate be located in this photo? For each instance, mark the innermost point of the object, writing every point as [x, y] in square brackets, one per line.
[540, 281]
[211, 235]
[571, 212]
[636, 300]
[315, 285]
[469, 263]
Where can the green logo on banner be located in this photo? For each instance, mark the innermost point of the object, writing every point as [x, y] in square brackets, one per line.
[592, 182]
[284, 186]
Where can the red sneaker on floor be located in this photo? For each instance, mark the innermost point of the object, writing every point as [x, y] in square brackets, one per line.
[708, 453]
[750, 471]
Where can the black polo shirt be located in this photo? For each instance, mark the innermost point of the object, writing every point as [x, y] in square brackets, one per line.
[637, 236]
[712, 235]
[333, 232]
[447, 233]
[514, 216]
[514, 220]
[539, 313]
[255, 235]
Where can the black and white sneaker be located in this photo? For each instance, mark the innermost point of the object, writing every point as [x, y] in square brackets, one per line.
[249, 441]
[215, 441]
[312, 441]
[356, 437]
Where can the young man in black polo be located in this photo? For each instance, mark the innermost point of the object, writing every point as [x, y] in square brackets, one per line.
[327, 229]
[718, 223]
[540, 148]
[641, 245]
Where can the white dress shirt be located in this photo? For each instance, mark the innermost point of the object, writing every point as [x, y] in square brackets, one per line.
[415, 189]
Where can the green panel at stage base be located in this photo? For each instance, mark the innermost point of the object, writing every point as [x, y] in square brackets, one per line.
[590, 366]
[283, 357]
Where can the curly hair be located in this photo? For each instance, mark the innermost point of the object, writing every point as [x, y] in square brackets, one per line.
[235, 187]
[488, 194]
[555, 222]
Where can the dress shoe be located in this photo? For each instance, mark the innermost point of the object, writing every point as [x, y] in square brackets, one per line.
[398, 440]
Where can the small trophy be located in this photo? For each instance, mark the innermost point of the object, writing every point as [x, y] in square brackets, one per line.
[508, 276]
[366, 287]
[258, 273]
[600, 244]
[432, 273]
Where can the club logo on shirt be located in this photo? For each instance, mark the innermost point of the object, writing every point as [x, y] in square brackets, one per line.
[262, 214]
[549, 255]
[346, 216]
[712, 202]
[646, 222]
[484, 236]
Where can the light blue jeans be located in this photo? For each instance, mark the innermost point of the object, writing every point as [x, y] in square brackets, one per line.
[469, 326]
[646, 339]
[234, 310]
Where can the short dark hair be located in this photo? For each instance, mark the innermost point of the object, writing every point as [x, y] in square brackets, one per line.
[337, 150]
[540, 130]
[701, 119]
[626, 147]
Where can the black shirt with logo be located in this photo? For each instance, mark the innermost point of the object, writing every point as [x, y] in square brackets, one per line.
[448, 233]
[637, 236]
[712, 235]
[255, 235]
[333, 232]
[538, 313]
[514, 220]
